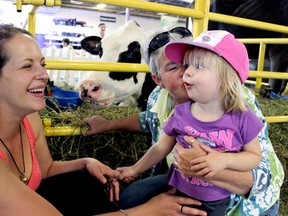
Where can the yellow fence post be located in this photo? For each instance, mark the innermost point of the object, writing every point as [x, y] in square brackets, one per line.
[32, 21]
[260, 67]
[201, 24]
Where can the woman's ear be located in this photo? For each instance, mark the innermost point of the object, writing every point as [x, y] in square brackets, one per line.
[156, 79]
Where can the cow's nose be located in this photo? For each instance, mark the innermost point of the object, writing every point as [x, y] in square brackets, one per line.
[84, 92]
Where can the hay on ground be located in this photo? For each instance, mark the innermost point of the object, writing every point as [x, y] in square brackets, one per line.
[124, 148]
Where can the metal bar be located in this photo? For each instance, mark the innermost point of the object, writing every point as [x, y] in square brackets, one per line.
[73, 131]
[96, 66]
[261, 59]
[201, 24]
[277, 119]
[264, 40]
[152, 6]
[264, 74]
[127, 67]
[32, 20]
[247, 23]
[62, 131]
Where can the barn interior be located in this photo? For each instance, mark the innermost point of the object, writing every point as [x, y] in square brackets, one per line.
[70, 144]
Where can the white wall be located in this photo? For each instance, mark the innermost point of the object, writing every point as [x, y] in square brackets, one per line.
[8, 13]
[45, 16]
[92, 18]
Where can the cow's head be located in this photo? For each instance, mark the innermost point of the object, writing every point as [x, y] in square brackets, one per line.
[104, 88]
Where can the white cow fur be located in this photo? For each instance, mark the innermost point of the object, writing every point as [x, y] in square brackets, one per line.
[123, 91]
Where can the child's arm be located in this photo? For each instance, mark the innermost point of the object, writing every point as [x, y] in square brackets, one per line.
[154, 155]
[215, 161]
[247, 159]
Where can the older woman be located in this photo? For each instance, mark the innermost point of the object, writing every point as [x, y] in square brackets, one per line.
[248, 188]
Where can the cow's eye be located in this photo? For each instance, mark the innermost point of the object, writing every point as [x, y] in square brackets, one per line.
[96, 88]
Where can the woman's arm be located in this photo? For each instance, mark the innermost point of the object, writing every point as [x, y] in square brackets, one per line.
[18, 199]
[50, 168]
[233, 181]
[164, 204]
[99, 125]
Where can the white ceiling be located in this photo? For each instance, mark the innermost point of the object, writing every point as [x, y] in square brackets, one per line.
[110, 8]
[181, 3]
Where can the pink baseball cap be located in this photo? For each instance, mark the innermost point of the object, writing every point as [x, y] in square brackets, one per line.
[220, 42]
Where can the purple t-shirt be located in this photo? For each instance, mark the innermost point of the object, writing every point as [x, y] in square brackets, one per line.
[229, 133]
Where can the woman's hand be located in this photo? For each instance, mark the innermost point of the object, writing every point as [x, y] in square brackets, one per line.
[183, 156]
[97, 125]
[170, 204]
[106, 175]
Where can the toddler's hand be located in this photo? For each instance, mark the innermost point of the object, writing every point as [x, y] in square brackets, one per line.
[127, 174]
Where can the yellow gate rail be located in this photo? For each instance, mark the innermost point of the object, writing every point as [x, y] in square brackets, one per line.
[73, 131]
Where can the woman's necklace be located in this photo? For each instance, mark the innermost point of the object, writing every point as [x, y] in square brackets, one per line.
[23, 178]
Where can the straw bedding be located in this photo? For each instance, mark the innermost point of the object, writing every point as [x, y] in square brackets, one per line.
[124, 148]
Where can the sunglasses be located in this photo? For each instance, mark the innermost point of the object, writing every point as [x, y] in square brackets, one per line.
[163, 38]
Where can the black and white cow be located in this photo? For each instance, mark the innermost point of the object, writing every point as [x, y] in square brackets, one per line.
[104, 88]
[271, 11]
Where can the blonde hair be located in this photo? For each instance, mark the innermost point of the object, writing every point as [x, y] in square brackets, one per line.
[231, 92]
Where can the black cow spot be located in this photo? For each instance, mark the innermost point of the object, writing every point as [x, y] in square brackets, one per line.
[131, 55]
[147, 88]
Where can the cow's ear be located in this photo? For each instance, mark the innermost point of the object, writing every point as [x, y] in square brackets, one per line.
[156, 79]
[92, 44]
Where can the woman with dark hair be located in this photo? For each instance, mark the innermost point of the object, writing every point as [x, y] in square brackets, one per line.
[31, 183]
